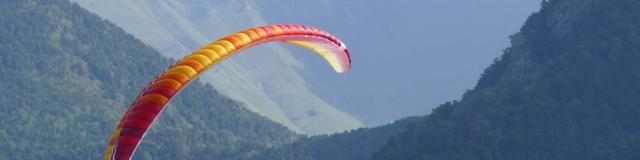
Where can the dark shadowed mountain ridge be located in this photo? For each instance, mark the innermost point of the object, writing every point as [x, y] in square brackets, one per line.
[566, 89]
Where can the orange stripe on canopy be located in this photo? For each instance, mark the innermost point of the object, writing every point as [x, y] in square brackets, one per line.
[151, 101]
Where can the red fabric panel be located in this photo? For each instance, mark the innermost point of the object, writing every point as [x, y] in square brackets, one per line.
[165, 91]
[314, 31]
[136, 123]
[133, 132]
[269, 30]
[157, 98]
[304, 30]
[173, 84]
[142, 115]
[123, 141]
[285, 29]
[122, 156]
[148, 107]
[294, 29]
[125, 149]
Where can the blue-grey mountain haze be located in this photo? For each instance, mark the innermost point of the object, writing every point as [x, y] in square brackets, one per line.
[408, 56]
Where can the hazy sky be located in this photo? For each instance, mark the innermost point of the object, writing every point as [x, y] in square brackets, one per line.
[408, 56]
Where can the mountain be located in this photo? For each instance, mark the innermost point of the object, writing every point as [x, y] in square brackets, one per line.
[391, 67]
[68, 76]
[359, 144]
[265, 77]
[408, 56]
[566, 89]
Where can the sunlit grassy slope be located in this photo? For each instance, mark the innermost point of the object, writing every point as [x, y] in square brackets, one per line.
[264, 77]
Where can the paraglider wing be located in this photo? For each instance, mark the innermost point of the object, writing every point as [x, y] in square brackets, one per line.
[151, 100]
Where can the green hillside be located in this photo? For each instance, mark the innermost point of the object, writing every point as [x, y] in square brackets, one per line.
[254, 77]
[357, 144]
[568, 88]
[67, 76]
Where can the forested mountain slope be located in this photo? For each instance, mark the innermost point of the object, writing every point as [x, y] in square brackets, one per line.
[67, 76]
[264, 77]
[357, 144]
[408, 56]
[568, 88]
